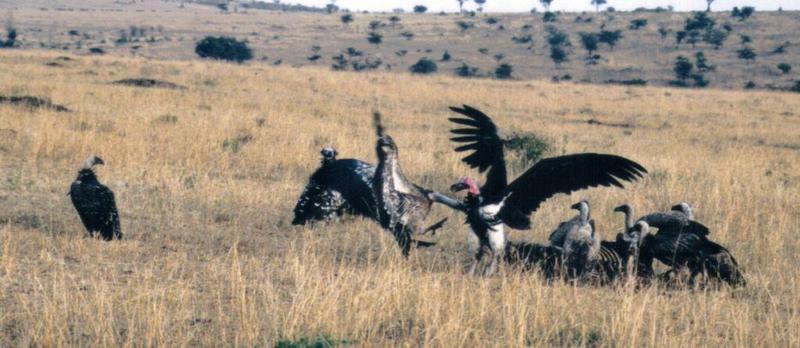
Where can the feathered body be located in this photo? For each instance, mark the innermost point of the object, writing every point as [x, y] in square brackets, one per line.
[95, 203]
[336, 188]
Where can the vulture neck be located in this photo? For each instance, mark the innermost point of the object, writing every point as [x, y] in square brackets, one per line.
[628, 219]
[87, 175]
[393, 175]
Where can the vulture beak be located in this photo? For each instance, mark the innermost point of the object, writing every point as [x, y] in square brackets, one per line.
[459, 186]
[98, 160]
[576, 206]
[676, 207]
[620, 209]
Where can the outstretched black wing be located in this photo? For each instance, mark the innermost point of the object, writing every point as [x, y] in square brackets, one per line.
[563, 174]
[674, 222]
[480, 136]
[342, 186]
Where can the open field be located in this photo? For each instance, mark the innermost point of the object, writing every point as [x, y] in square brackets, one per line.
[209, 255]
[159, 29]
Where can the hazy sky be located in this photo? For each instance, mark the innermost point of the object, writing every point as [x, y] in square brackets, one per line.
[562, 5]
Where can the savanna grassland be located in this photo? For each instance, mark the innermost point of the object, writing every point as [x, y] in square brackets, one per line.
[167, 30]
[206, 177]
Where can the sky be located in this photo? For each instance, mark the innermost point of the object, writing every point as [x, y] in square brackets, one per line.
[558, 5]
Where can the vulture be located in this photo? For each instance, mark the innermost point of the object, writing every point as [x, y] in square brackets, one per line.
[682, 243]
[402, 205]
[337, 187]
[545, 258]
[578, 241]
[95, 202]
[498, 203]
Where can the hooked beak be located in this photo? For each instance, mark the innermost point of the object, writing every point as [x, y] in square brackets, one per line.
[576, 206]
[459, 186]
[99, 161]
[620, 209]
[676, 207]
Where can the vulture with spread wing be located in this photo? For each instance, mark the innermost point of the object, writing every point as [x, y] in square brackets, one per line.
[498, 202]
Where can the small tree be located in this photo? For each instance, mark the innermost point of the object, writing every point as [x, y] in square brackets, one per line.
[546, 4]
[446, 56]
[663, 31]
[683, 70]
[503, 71]
[549, 17]
[589, 42]
[394, 20]
[784, 68]
[610, 37]
[224, 48]
[480, 4]
[374, 25]
[708, 5]
[424, 66]
[466, 71]
[420, 9]
[597, 4]
[407, 34]
[375, 38]
[461, 5]
[347, 18]
[746, 53]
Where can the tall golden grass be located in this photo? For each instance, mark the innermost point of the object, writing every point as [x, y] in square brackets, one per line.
[209, 257]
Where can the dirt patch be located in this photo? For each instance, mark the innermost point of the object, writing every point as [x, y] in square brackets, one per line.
[595, 122]
[31, 102]
[148, 83]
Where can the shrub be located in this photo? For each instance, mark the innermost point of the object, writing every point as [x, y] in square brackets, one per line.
[556, 37]
[663, 31]
[446, 56]
[781, 49]
[796, 87]
[549, 17]
[424, 66]
[420, 9]
[637, 24]
[750, 85]
[374, 25]
[744, 13]
[407, 34]
[715, 37]
[97, 50]
[699, 21]
[610, 37]
[745, 39]
[347, 18]
[224, 48]
[529, 147]
[11, 39]
[466, 71]
[784, 68]
[492, 20]
[524, 39]
[702, 63]
[394, 20]
[558, 55]
[503, 71]
[746, 53]
[464, 26]
[375, 38]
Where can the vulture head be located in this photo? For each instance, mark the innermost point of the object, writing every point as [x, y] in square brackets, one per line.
[685, 208]
[625, 209]
[466, 183]
[583, 208]
[92, 161]
[328, 154]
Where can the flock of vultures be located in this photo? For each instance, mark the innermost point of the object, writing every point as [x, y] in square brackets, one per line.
[574, 251]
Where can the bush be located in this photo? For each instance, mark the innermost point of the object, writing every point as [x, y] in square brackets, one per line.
[746, 53]
[750, 85]
[784, 68]
[589, 41]
[424, 66]
[637, 24]
[407, 34]
[558, 55]
[663, 31]
[420, 9]
[702, 63]
[743, 13]
[347, 18]
[610, 37]
[529, 147]
[524, 39]
[446, 56]
[683, 70]
[464, 26]
[224, 48]
[715, 37]
[781, 49]
[699, 21]
[375, 38]
[466, 71]
[11, 39]
[549, 17]
[503, 71]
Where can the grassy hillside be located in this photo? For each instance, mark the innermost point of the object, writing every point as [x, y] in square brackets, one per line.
[158, 29]
[209, 255]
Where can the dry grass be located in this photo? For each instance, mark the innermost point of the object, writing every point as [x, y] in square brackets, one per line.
[209, 256]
